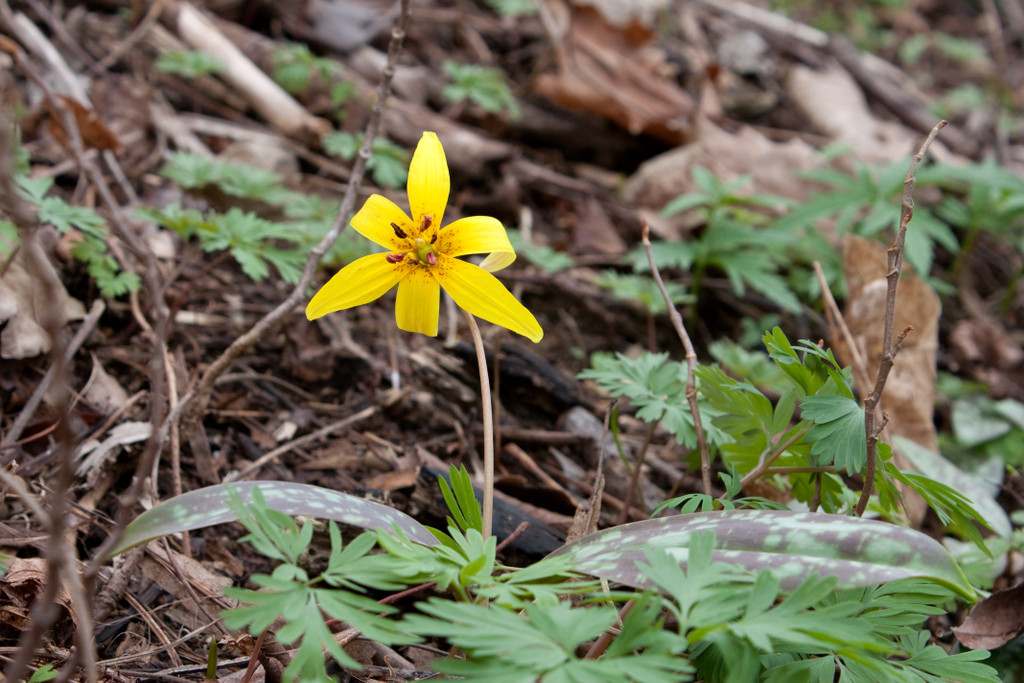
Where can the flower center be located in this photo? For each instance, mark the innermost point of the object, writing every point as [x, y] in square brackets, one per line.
[421, 250]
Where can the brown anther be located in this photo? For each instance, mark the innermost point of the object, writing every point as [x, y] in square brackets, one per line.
[431, 258]
[434, 238]
[427, 220]
[399, 233]
[395, 258]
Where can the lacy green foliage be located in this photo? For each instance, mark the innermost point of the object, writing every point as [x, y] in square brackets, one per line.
[251, 240]
[255, 242]
[943, 471]
[732, 621]
[90, 246]
[465, 564]
[733, 240]
[643, 289]
[291, 595]
[657, 387]
[194, 171]
[815, 425]
[502, 646]
[481, 85]
[189, 63]
[542, 256]
[743, 627]
[702, 502]
[864, 203]
[388, 163]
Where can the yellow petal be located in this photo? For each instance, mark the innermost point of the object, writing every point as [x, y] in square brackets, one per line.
[477, 235]
[360, 282]
[374, 220]
[417, 304]
[480, 293]
[428, 180]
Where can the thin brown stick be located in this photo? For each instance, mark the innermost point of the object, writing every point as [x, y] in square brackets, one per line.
[691, 367]
[890, 347]
[637, 468]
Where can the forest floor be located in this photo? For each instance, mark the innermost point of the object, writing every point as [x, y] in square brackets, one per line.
[610, 107]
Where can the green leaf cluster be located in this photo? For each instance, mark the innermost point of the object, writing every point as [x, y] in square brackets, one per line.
[253, 241]
[388, 163]
[644, 289]
[189, 63]
[483, 86]
[295, 65]
[542, 256]
[656, 386]
[733, 240]
[91, 245]
[300, 602]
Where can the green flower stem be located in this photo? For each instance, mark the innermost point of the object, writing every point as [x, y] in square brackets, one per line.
[486, 408]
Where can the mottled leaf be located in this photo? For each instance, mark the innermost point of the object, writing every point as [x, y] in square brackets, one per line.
[793, 545]
[208, 506]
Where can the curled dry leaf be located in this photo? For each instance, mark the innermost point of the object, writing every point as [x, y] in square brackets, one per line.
[22, 304]
[19, 587]
[993, 621]
[603, 71]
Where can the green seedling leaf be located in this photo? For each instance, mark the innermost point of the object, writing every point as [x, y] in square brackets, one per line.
[461, 499]
[793, 545]
[838, 431]
[945, 472]
[208, 506]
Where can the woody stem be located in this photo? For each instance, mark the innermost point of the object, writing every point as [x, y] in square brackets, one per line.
[487, 409]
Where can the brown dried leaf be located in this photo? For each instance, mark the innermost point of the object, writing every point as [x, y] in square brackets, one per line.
[22, 303]
[604, 72]
[993, 621]
[91, 129]
[20, 586]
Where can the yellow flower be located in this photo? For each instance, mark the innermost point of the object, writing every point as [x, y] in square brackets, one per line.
[422, 257]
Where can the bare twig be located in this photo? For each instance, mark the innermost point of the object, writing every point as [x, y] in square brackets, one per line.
[637, 468]
[890, 347]
[691, 367]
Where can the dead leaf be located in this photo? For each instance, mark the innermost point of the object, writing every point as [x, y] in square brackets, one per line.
[604, 72]
[22, 304]
[837, 107]
[20, 586]
[994, 621]
[205, 584]
[104, 393]
[122, 435]
[773, 168]
[594, 232]
[91, 129]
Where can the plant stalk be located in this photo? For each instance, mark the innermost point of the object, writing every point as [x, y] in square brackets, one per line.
[487, 408]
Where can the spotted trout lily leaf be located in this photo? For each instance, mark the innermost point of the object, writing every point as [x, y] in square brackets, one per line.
[422, 257]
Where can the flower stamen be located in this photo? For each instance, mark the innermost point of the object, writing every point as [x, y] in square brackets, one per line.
[396, 257]
[399, 233]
